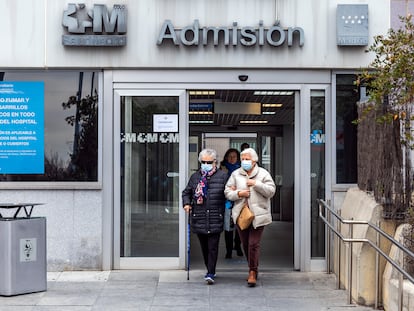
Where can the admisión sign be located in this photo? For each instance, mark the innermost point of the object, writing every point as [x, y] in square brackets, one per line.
[194, 35]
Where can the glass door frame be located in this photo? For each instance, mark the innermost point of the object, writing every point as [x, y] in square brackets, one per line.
[149, 262]
[155, 82]
[303, 173]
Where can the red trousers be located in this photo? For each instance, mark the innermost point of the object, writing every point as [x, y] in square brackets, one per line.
[250, 239]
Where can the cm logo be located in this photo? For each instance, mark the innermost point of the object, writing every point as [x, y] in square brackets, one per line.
[317, 137]
[76, 18]
[96, 27]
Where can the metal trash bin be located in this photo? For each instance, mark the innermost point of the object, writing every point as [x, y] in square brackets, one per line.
[23, 266]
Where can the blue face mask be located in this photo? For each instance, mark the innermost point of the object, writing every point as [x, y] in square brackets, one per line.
[246, 165]
[206, 167]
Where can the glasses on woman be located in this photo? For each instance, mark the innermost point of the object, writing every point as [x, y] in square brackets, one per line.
[207, 162]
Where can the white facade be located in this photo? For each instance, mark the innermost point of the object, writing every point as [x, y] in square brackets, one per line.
[83, 218]
[36, 42]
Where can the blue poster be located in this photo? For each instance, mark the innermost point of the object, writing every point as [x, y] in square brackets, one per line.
[21, 127]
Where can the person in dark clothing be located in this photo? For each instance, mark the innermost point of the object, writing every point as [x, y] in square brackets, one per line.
[244, 146]
[203, 197]
[230, 163]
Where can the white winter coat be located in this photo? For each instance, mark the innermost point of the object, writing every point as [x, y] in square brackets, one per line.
[260, 194]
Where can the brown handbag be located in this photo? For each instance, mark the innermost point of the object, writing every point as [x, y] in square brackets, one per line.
[245, 218]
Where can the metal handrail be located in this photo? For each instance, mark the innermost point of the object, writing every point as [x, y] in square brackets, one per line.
[350, 240]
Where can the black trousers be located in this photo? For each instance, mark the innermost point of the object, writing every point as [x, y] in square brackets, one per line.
[228, 238]
[209, 246]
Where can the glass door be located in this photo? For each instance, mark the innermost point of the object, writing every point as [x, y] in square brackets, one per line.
[318, 175]
[314, 173]
[147, 170]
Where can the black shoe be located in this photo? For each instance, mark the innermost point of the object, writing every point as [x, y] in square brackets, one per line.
[228, 255]
[239, 252]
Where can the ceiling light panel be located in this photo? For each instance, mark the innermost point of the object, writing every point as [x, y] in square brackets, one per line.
[253, 121]
[272, 105]
[202, 92]
[201, 121]
[273, 93]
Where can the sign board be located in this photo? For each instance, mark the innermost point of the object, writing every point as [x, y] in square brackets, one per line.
[232, 35]
[21, 127]
[352, 24]
[165, 123]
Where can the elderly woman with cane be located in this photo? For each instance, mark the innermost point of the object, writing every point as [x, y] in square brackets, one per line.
[254, 186]
[203, 198]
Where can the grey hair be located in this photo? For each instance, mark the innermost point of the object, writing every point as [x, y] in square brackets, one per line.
[208, 152]
[252, 153]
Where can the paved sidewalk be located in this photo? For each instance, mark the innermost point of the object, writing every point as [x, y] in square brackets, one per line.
[170, 290]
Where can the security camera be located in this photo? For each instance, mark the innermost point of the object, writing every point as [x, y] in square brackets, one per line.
[243, 78]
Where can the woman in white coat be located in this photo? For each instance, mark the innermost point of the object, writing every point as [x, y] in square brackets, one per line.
[253, 185]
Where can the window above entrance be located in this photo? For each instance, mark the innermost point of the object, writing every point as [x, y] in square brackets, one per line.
[233, 108]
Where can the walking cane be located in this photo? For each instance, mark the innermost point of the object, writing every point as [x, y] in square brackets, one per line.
[188, 245]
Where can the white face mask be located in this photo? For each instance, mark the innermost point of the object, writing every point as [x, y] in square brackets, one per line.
[246, 165]
[206, 167]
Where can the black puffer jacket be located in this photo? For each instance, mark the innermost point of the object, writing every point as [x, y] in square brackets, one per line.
[208, 217]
